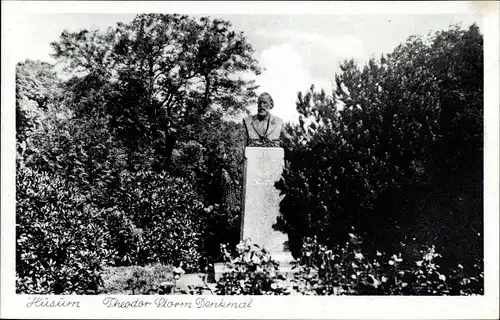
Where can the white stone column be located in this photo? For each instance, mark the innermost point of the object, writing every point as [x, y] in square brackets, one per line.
[261, 201]
[261, 206]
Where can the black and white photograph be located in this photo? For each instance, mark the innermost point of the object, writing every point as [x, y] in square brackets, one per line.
[178, 159]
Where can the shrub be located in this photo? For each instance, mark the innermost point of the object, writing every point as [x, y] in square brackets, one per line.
[169, 215]
[348, 270]
[62, 241]
[125, 237]
[251, 272]
[215, 164]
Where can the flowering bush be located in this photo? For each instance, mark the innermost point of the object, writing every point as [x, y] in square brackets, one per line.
[347, 270]
[251, 272]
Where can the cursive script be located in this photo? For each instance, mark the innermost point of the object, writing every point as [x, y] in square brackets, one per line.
[207, 303]
[111, 302]
[44, 302]
[165, 303]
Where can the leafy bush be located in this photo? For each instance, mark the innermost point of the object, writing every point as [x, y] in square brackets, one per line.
[251, 272]
[62, 242]
[125, 237]
[106, 119]
[169, 215]
[347, 270]
[218, 175]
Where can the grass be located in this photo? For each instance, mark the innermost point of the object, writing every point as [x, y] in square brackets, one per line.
[135, 279]
[143, 280]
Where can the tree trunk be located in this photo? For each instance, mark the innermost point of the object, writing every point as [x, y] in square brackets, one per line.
[165, 154]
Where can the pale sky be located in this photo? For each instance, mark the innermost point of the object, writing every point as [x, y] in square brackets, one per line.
[295, 51]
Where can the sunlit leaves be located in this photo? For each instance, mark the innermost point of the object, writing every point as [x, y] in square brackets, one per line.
[62, 239]
[171, 71]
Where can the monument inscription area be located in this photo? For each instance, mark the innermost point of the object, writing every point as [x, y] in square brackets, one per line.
[263, 169]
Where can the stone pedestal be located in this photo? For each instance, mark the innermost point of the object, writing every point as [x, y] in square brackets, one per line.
[261, 200]
[263, 168]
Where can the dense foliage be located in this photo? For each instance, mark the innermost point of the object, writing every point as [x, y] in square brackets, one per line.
[134, 131]
[251, 272]
[396, 152]
[63, 240]
[165, 218]
[347, 270]
[130, 160]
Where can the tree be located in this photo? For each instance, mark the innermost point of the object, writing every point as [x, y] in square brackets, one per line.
[37, 93]
[143, 104]
[173, 73]
[390, 152]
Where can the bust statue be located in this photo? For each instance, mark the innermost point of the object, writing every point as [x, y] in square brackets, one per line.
[263, 129]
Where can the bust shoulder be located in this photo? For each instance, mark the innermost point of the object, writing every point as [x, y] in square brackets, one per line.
[250, 119]
[276, 119]
[273, 119]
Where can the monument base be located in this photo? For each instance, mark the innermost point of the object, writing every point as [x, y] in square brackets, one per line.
[282, 257]
[219, 269]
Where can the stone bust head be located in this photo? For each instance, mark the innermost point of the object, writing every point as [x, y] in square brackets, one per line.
[263, 129]
[264, 105]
